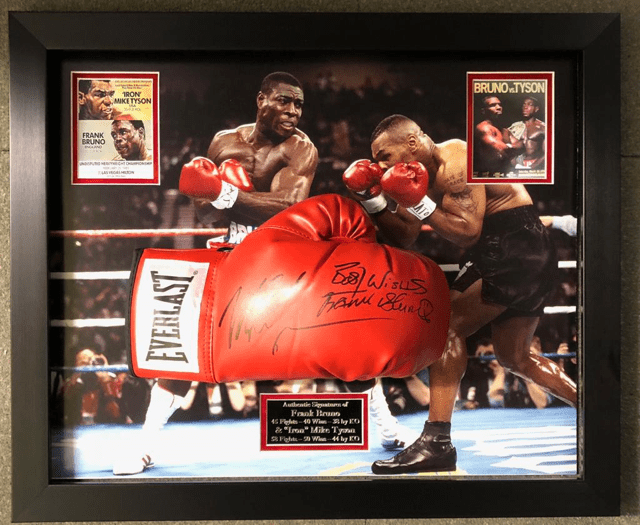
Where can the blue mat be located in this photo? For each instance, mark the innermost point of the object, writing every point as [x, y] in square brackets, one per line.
[490, 442]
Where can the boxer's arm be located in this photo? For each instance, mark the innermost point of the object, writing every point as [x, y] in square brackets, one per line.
[510, 138]
[458, 218]
[537, 145]
[398, 227]
[290, 185]
[491, 137]
[206, 213]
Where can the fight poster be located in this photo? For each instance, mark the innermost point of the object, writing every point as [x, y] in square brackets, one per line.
[115, 128]
[510, 127]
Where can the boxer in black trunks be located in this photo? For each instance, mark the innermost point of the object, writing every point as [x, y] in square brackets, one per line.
[506, 277]
[516, 261]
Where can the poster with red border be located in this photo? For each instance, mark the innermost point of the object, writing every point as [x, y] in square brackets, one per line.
[510, 127]
[115, 128]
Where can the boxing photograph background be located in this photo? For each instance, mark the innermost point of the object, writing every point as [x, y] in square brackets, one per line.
[297, 142]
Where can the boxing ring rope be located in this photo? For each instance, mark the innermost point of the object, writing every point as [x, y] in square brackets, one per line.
[135, 233]
[155, 232]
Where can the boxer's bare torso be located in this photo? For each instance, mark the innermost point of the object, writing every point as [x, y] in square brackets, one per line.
[534, 141]
[281, 172]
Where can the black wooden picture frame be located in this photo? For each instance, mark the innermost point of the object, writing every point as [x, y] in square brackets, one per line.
[38, 43]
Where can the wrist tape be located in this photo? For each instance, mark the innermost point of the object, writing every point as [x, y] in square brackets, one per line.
[375, 204]
[566, 223]
[423, 209]
[227, 197]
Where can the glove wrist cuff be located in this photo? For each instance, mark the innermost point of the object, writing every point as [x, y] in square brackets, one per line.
[374, 205]
[227, 197]
[423, 209]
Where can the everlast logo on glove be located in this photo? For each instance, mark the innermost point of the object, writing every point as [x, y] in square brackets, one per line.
[167, 305]
[165, 333]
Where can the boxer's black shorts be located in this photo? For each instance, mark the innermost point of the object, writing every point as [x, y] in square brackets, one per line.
[516, 260]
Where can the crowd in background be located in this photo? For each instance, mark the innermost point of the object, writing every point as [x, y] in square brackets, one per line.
[339, 121]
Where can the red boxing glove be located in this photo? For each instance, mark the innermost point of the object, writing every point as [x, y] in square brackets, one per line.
[309, 294]
[232, 171]
[200, 179]
[406, 183]
[363, 178]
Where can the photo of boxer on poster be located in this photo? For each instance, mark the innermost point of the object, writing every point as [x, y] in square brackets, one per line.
[510, 127]
[115, 136]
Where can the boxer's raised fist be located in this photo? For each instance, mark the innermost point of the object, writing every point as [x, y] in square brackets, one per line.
[406, 183]
[232, 171]
[363, 178]
[200, 178]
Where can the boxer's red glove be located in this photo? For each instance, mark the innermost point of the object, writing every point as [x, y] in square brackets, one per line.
[232, 171]
[309, 294]
[200, 178]
[407, 184]
[363, 178]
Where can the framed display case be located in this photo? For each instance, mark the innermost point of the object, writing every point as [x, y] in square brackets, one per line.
[103, 123]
